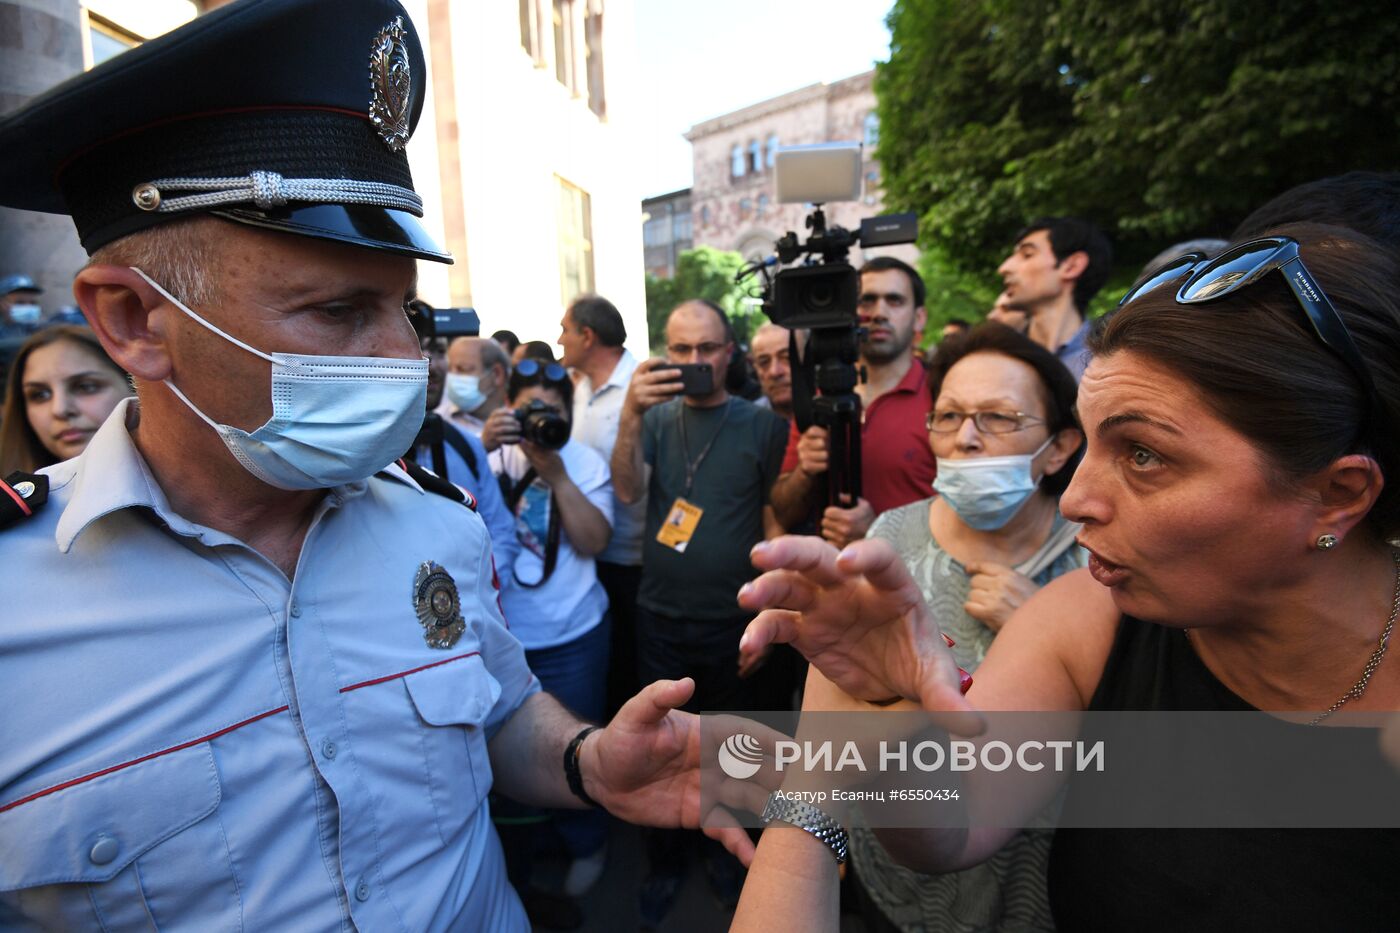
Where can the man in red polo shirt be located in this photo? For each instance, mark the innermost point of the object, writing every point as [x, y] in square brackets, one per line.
[896, 462]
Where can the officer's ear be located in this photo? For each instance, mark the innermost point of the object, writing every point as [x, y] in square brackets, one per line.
[130, 318]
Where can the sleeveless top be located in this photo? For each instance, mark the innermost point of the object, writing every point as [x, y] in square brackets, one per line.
[1146, 880]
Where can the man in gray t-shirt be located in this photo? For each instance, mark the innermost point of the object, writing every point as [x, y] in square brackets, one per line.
[706, 463]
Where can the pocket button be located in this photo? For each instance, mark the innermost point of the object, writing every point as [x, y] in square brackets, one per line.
[362, 890]
[104, 850]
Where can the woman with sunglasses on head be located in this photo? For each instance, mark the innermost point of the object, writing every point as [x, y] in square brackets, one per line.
[1241, 430]
[61, 387]
[560, 492]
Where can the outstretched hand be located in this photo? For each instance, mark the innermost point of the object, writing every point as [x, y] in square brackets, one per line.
[859, 617]
[645, 768]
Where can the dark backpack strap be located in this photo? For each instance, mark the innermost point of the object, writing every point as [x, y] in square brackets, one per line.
[457, 442]
[433, 483]
[22, 495]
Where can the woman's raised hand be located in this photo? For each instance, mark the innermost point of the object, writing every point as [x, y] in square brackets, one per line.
[858, 616]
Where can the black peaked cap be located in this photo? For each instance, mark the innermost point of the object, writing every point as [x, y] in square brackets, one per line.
[290, 115]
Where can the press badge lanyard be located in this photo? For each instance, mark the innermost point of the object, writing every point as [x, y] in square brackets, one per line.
[693, 466]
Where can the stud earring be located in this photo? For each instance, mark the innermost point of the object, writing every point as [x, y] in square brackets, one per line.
[1326, 542]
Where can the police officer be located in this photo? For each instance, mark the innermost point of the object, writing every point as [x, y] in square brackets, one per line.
[254, 675]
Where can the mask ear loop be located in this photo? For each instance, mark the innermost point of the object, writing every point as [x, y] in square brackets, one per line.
[229, 337]
[181, 305]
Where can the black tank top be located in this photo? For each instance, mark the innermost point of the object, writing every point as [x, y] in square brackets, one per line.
[1147, 880]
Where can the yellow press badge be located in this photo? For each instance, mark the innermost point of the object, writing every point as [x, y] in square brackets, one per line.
[679, 526]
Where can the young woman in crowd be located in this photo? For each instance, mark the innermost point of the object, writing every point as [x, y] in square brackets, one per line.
[61, 387]
[562, 503]
[1006, 438]
[1241, 429]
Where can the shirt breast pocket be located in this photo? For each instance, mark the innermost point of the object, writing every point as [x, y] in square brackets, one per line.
[141, 848]
[453, 703]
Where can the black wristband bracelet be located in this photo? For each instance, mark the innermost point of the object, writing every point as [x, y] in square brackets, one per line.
[571, 772]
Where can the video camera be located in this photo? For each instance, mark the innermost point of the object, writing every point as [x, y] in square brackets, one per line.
[821, 296]
[437, 327]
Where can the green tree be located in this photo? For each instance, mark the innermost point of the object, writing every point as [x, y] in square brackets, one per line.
[1160, 121]
[702, 272]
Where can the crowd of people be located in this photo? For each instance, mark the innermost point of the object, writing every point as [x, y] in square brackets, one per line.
[410, 610]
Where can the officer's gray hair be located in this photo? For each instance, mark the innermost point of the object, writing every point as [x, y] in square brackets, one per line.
[178, 255]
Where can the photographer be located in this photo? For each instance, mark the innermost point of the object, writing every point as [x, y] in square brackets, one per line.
[896, 462]
[562, 502]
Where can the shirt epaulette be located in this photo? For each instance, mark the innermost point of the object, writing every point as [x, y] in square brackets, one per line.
[21, 495]
[431, 482]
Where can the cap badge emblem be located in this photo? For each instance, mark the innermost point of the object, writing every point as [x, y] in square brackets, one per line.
[391, 85]
[438, 606]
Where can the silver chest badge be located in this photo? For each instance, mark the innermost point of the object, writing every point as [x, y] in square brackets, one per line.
[438, 606]
[391, 85]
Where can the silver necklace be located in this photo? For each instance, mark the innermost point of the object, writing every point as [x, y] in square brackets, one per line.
[1374, 661]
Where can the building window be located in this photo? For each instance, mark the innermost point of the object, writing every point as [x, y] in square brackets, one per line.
[772, 149]
[681, 231]
[872, 130]
[107, 40]
[656, 232]
[530, 30]
[736, 161]
[745, 208]
[705, 216]
[564, 44]
[593, 57]
[762, 204]
[575, 242]
[755, 157]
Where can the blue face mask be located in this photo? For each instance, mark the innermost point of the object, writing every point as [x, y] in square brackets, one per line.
[465, 392]
[26, 313]
[987, 492]
[335, 419]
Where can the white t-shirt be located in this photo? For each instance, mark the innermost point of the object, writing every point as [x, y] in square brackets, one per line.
[596, 416]
[571, 601]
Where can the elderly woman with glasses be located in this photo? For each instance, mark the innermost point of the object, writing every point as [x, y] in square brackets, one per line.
[1003, 430]
[1241, 418]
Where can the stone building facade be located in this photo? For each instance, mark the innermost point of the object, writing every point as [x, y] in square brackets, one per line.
[732, 200]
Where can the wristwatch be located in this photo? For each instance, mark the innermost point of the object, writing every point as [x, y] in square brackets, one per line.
[805, 816]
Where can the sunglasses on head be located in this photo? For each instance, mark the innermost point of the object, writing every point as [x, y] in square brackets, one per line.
[1204, 280]
[553, 372]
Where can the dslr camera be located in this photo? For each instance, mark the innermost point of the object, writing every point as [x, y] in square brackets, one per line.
[820, 296]
[542, 425]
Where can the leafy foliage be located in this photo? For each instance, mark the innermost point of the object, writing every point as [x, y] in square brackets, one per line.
[1159, 121]
[702, 272]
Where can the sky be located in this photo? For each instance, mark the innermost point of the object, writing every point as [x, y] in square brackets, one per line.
[698, 61]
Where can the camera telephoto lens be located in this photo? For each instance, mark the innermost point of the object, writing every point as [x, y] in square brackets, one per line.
[542, 425]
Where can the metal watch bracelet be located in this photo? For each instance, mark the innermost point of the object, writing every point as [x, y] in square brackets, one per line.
[807, 817]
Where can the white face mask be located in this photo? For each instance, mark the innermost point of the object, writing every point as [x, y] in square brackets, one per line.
[987, 492]
[465, 392]
[26, 313]
[335, 419]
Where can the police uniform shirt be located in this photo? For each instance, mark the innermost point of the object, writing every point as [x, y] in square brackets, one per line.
[189, 741]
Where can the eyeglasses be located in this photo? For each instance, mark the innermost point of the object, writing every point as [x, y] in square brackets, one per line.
[685, 349]
[553, 372]
[986, 422]
[1242, 266]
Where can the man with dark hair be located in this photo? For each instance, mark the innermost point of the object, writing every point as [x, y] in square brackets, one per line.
[1056, 267]
[591, 335]
[768, 349]
[508, 341]
[897, 465]
[1367, 202]
[955, 327]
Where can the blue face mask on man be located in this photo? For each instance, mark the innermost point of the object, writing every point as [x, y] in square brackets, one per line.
[335, 419]
[987, 492]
